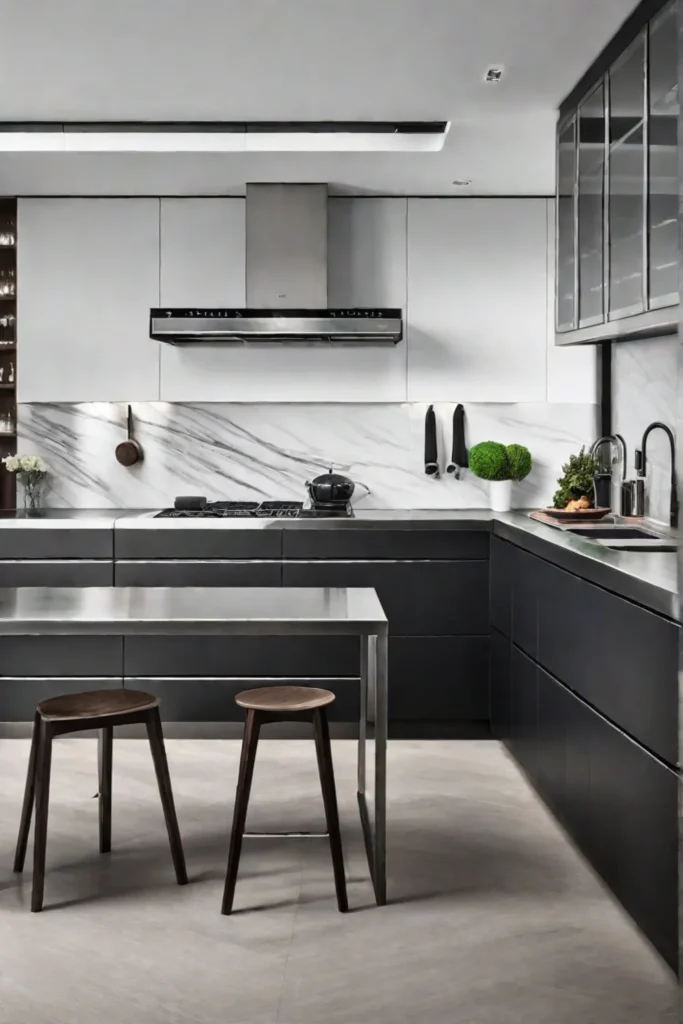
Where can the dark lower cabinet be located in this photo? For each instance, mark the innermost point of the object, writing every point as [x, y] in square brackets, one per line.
[438, 679]
[500, 698]
[617, 801]
[56, 572]
[197, 573]
[524, 711]
[420, 598]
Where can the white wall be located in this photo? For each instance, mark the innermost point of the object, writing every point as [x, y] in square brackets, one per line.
[474, 277]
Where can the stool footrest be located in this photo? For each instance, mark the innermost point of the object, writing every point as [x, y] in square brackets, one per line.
[287, 835]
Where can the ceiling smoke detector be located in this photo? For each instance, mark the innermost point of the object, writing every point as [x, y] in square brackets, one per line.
[493, 75]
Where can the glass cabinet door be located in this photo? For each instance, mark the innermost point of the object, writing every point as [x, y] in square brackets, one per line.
[627, 177]
[566, 228]
[663, 158]
[591, 208]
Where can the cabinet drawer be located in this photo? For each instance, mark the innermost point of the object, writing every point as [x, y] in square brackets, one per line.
[56, 573]
[61, 656]
[501, 585]
[621, 658]
[524, 711]
[254, 656]
[197, 540]
[67, 542]
[419, 598]
[213, 700]
[19, 696]
[212, 572]
[377, 544]
[440, 678]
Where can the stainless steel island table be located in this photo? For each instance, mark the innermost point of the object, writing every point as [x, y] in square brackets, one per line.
[261, 611]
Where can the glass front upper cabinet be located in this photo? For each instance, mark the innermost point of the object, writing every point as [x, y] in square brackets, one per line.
[663, 160]
[591, 249]
[566, 282]
[627, 158]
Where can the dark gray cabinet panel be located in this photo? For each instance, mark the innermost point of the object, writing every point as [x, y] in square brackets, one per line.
[19, 697]
[181, 542]
[621, 658]
[213, 700]
[441, 678]
[199, 573]
[501, 585]
[526, 572]
[43, 542]
[389, 543]
[208, 656]
[499, 667]
[419, 598]
[56, 573]
[524, 711]
[61, 656]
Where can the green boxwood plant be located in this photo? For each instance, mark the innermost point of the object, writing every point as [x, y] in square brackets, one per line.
[491, 460]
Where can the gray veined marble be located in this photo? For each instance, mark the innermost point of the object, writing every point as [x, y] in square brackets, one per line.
[255, 452]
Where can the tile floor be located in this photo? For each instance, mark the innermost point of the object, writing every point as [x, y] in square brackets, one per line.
[494, 919]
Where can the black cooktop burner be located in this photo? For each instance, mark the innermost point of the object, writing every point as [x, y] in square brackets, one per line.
[252, 509]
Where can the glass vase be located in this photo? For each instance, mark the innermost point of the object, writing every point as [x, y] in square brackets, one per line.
[33, 492]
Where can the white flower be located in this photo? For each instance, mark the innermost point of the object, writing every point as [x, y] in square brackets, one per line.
[25, 464]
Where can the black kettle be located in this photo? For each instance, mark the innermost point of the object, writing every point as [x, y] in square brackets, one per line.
[330, 489]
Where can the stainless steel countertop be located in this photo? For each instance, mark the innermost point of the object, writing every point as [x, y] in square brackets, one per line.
[649, 578]
[190, 610]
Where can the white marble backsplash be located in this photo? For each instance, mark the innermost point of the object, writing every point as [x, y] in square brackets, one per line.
[269, 451]
[645, 389]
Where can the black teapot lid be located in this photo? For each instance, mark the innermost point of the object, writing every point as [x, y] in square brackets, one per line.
[331, 478]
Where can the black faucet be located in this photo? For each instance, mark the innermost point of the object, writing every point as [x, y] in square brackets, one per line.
[641, 466]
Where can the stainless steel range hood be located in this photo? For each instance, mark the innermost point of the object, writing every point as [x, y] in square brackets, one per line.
[286, 278]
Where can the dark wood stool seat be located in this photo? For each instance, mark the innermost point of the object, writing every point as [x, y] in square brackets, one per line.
[96, 704]
[284, 698]
[75, 712]
[272, 704]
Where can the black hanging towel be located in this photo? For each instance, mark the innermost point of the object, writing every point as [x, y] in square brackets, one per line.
[459, 459]
[431, 450]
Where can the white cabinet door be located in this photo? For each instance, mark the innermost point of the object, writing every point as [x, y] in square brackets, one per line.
[477, 295]
[366, 267]
[88, 273]
[202, 252]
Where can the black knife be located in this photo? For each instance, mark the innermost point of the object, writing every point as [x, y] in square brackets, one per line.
[459, 459]
[431, 448]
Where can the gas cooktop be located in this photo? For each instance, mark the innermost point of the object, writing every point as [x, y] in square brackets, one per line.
[252, 509]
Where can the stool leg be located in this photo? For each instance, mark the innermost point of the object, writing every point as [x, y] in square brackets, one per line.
[246, 774]
[29, 796]
[156, 743]
[44, 763]
[105, 750]
[326, 770]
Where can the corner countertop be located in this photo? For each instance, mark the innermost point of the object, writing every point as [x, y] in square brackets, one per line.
[648, 578]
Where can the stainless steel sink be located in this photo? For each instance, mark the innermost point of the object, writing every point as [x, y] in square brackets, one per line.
[615, 533]
[625, 538]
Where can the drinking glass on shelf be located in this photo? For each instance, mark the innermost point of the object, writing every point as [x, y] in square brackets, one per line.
[7, 234]
[7, 282]
[7, 328]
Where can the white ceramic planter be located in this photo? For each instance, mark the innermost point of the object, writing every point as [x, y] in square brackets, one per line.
[500, 495]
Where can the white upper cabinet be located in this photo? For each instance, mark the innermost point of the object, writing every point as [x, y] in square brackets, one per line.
[202, 263]
[477, 300]
[88, 273]
[202, 252]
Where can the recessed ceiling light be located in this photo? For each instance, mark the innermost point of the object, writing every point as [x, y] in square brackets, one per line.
[493, 75]
[462, 181]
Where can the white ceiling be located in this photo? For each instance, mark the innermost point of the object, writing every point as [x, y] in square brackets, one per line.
[299, 60]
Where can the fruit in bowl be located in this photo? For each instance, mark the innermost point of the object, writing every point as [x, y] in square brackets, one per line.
[576, 487]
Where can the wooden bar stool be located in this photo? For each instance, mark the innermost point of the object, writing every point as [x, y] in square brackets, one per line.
[98, 709]
[277, 704]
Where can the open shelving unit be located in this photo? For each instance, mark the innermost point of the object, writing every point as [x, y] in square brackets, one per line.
[8, 345]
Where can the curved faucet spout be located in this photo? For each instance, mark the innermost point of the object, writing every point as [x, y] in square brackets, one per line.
[641, 465]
